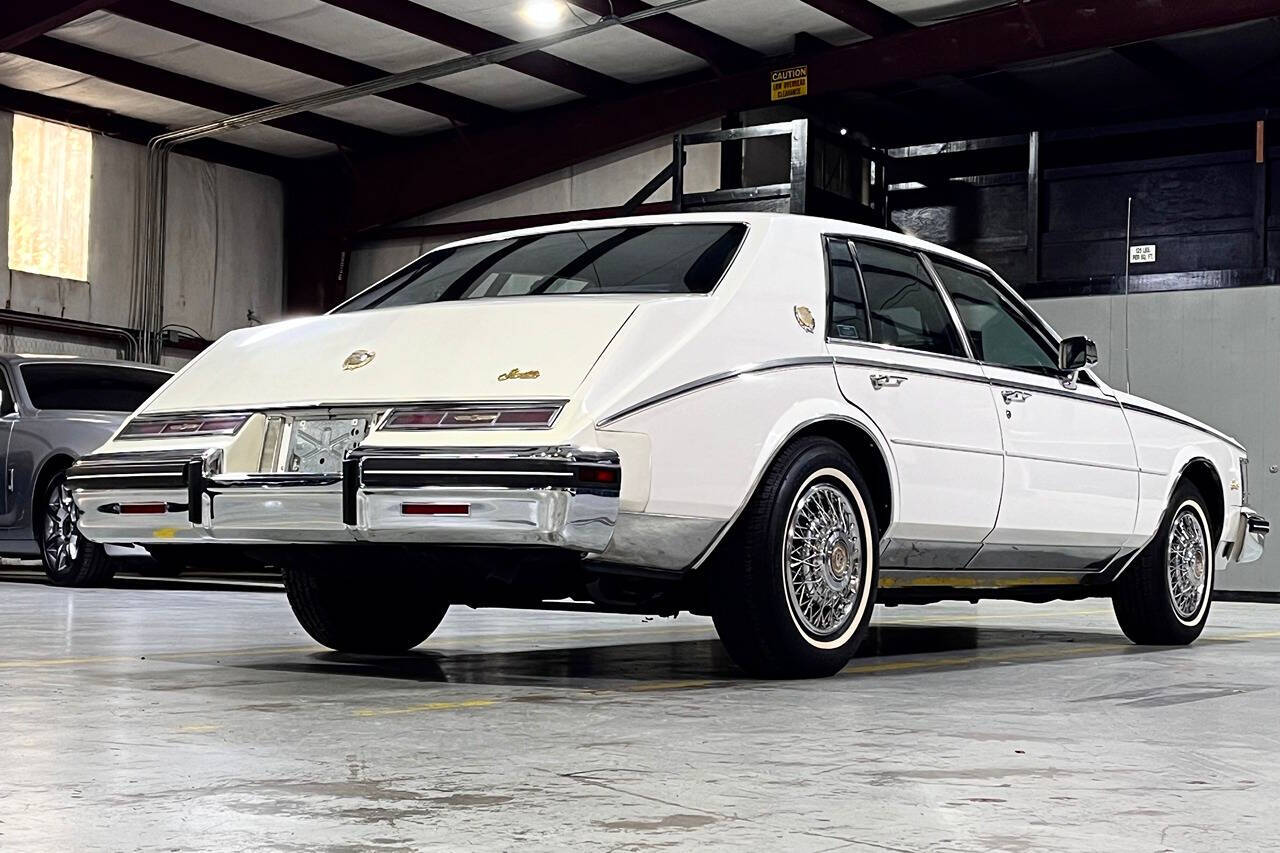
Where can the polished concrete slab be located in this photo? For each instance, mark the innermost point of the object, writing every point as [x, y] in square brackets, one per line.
[158, 716]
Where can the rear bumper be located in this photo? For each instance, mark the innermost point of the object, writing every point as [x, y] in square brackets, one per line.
[565, 497]
[1251, 537]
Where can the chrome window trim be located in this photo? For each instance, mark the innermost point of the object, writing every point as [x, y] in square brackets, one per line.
[950, 303]
[892, 349]
[1103, 400]
[1003, 289]
[921, 370]
[554, 229]
[713, 379]
[920, 255]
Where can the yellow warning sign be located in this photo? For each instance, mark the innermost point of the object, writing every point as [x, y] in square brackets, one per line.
[789, 83]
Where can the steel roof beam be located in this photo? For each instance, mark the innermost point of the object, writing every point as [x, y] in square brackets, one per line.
[468, 38]
[23, 20]
[268, 47]
[188, 90]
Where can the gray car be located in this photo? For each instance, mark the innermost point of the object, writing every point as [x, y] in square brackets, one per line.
[53, 410]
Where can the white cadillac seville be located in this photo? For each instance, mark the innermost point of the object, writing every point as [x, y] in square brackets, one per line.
[765, 418]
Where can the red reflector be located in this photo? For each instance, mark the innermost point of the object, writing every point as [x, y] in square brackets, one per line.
[435, 509]
[598, 475]
[143, 509]
[527, 417]
[407, 420]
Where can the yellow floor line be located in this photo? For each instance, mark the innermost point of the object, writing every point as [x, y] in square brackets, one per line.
[429, 706]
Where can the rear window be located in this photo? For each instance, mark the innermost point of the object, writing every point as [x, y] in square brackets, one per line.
[632, 259]
[90, 387]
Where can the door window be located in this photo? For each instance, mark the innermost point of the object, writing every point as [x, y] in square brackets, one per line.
[999, 332]
[848, 303]
[906, 310]
[7, 404]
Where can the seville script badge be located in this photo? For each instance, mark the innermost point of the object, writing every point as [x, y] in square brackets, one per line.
[805, 318]
[517, 373]
[358, 359]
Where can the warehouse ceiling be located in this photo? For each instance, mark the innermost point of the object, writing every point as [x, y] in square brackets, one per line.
[901, 71]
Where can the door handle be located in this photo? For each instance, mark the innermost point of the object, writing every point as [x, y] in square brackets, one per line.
[883, 380]
[1011, 396]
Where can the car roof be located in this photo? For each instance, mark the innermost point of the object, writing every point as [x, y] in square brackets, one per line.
[816, 224]
[41, 358]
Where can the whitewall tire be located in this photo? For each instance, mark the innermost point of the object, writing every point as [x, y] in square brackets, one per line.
[1163, 598]
[793, 586]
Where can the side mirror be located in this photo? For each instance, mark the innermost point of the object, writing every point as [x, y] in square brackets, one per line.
[1076, 353]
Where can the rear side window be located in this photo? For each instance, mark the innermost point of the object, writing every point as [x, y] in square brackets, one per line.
[90, 387]
[631, 259]
[905, 308]
[848, 302]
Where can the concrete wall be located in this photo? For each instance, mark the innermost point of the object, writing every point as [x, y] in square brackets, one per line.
[603, 182]
[1209, 353]
[224, 249]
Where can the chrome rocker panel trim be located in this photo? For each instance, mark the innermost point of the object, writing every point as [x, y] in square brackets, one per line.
[514, 496]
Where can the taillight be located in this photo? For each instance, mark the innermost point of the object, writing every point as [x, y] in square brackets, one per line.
[538, 416]
[177, 426]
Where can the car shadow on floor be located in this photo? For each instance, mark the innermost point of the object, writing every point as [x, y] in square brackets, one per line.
[889, 650]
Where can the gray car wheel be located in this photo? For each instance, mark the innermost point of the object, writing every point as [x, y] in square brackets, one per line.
[69, 559]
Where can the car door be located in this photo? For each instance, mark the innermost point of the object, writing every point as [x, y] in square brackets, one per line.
[1071, 473]
[8, 414]
[901, 359]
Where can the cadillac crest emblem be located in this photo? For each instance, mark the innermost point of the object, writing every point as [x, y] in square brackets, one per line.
[358, 359]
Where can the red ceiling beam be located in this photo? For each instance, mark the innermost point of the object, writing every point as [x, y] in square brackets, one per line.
[863, 15]
[250, 41]
[468, 38]
[397, 185]
[23, 20]
[722, 54]
[188, 90]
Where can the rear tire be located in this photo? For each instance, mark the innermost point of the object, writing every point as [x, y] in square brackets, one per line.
[376, 613]
[793, 587]
[1163, 598]
[69, 559]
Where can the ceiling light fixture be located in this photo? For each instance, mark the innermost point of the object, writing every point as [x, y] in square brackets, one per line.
[544, 13]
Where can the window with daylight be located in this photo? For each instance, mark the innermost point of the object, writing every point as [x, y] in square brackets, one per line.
[49, 199]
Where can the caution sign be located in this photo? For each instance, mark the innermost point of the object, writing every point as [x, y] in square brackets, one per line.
[789, 83]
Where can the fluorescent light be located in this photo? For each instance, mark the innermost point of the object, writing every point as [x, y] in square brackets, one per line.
[543, 13]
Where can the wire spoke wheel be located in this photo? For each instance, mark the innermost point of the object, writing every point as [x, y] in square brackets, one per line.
[1187, 559]
[61, 544]
[823, 559]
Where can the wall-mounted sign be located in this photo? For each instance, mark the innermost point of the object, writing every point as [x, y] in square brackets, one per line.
[1142, 254]
[789, 83]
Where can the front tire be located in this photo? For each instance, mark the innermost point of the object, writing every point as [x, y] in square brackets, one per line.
[69, 559]
[792, 588]
[1163, 598]
[376, 613]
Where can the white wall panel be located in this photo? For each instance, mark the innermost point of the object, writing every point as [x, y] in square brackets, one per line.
[224, 250]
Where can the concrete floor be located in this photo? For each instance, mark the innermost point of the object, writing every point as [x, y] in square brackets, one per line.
[186, 717]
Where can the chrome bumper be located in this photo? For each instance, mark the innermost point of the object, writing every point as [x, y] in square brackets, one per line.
[1251, 537]
[566, 497]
